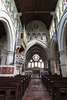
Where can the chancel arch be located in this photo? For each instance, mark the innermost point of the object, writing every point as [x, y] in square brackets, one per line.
[36, 58]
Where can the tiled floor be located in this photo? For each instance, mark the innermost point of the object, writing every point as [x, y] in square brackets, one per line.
[36, 91]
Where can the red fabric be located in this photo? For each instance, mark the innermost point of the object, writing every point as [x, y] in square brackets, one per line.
[17, 51]
[6, 70]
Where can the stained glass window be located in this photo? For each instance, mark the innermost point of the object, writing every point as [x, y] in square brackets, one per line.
[36, 61]
[36, 57]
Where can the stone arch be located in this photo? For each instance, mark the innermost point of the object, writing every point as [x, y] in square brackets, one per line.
[62, 38]
[8, 25]
[33, 42]
[36, 48]
[54, 57]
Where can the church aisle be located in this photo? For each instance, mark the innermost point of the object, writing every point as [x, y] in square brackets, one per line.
[36, 91]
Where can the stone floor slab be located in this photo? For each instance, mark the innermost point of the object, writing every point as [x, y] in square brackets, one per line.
[36, 91]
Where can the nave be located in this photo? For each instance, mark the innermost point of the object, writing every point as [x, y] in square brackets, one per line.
[23, 87]
[36, 91]
[33, 40]
[48, 87]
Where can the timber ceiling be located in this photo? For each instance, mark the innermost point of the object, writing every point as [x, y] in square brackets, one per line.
[36, 10]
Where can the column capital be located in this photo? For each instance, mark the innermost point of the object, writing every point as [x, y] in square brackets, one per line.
[18, 15]
[53, 14]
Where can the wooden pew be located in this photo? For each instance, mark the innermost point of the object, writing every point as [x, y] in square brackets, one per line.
[57, 80]
[60, 91]
[22, 79]
[26, 78]
[47, 78]
[7, 88]
[51, 83]
[13, 80]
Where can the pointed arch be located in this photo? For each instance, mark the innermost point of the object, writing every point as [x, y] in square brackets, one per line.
[62, 38]
[10, 35]
[5, 18]
[33, 42]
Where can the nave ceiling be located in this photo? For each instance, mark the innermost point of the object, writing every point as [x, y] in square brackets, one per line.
[36, 10]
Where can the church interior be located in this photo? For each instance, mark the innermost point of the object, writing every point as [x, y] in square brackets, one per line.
[33, 50]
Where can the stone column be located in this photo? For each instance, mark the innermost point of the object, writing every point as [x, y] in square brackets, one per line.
[63, 63]
[9, 59]
[65, 4]
[52, 66]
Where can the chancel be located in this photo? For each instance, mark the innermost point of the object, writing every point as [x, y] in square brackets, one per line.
[33, 49]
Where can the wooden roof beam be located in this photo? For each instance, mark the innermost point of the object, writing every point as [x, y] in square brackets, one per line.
[37, 12]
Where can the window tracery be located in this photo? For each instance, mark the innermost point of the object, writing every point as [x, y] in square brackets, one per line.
[36, 61]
